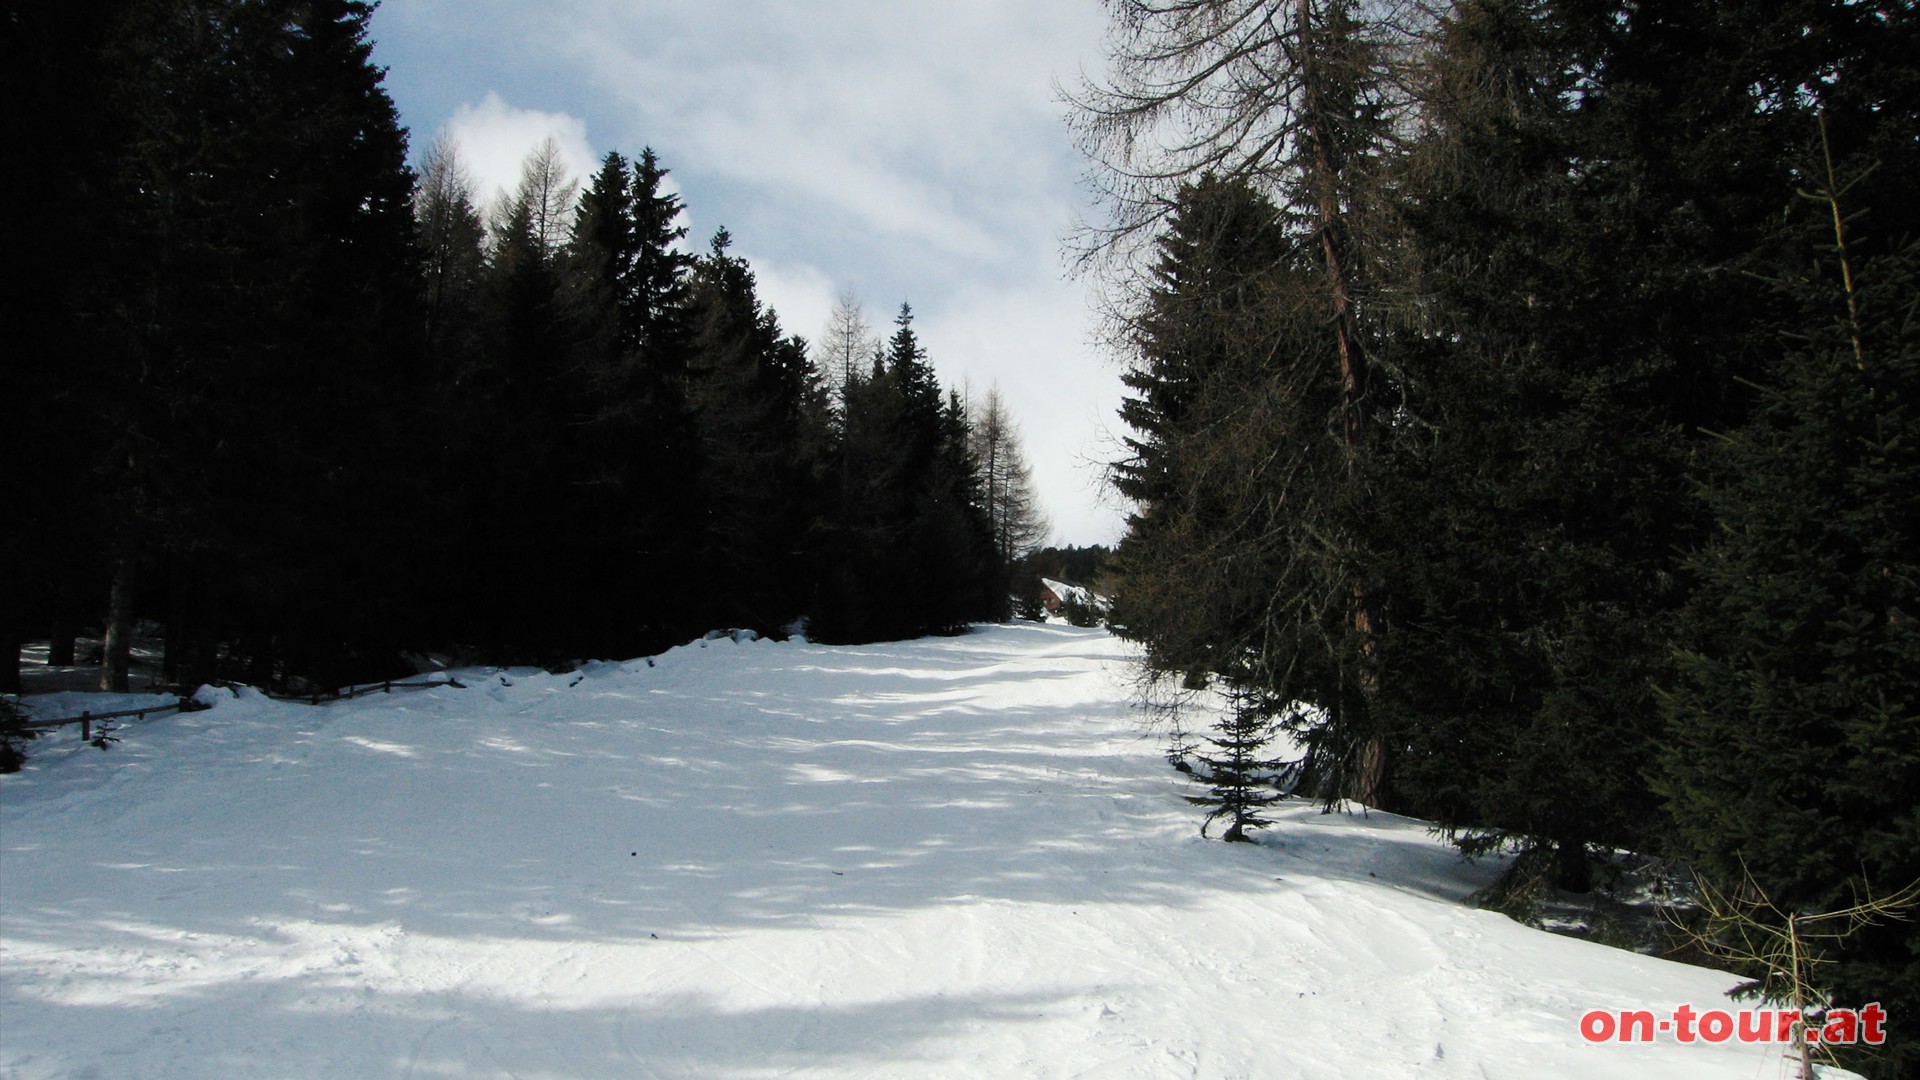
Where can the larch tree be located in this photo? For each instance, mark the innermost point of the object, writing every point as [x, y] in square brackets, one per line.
[545, 197]
[517, 492]
[452, 238]
[1302, 101]
[848, 343]
[1013, 507]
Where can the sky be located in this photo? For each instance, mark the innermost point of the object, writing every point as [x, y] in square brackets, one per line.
[902, 152]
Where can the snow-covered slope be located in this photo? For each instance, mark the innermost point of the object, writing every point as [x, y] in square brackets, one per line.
[949, 858]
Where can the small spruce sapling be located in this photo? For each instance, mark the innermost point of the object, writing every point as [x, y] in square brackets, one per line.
[14, 735]
[1239, 773]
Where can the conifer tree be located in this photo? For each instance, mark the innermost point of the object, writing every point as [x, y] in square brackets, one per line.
[54, 68]
[602, 386]
[1595, 204]
[859, 525]
[749, 387]
[1240, 771]
[847, 345]
[1298, 98]
[1513, 671]
[1795, 743]
[452, 261]
[1792, 744]
[1227, 568]
[458, 417]
[889, 453]
[1200, 342]
[640, 454]
[1018, 522]
[905, 542]
[252, 310]
[518, 489]
[958, 570]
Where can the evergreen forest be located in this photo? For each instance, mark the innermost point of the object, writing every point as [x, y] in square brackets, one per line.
[308, 407]
[1522, 414]
[1521, 408]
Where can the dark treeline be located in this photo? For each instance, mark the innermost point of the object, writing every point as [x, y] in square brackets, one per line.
[1073, 565]
[306, 409]
[1523, 420]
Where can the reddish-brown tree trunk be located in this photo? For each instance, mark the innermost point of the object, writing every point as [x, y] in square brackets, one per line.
[1367, 777]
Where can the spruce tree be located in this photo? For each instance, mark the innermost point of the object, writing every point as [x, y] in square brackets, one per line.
[1592, 203]
[518, 490]
[875, 588]
[1298, 98]
[251, 320]
[639, 454]
[1199, 341]
[1240, 772]
[1792, 748]
[859, 526]
[945, 559]
[961, 567]
[749, 388]
[904, 539]
[54, 67]
[1510, 649]
[1231, 566]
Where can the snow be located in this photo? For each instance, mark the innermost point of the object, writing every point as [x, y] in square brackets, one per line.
[958, 857]
[1074, 594]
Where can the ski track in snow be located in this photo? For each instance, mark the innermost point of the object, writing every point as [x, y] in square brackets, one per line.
[948, 858]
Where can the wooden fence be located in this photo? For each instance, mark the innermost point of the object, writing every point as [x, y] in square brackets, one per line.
[86, 720]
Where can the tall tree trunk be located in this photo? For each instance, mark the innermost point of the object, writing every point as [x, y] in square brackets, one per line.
[203, 666]
[260, 660]
[192, 626]
[60, 644]
[9, 659]
[173, 647]
[118, 648]
[1366, 775]
[1570, 868]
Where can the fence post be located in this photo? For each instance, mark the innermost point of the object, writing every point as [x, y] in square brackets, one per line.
[86, 725]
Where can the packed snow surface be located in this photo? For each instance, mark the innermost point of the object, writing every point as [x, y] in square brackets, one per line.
[959, 857]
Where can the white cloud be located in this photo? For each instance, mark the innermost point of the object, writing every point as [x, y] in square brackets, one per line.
[800, 294]
[905, 151]
[806, 170]
[934, 124]
[912, 151]
[1033, 342]
[494, 138]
